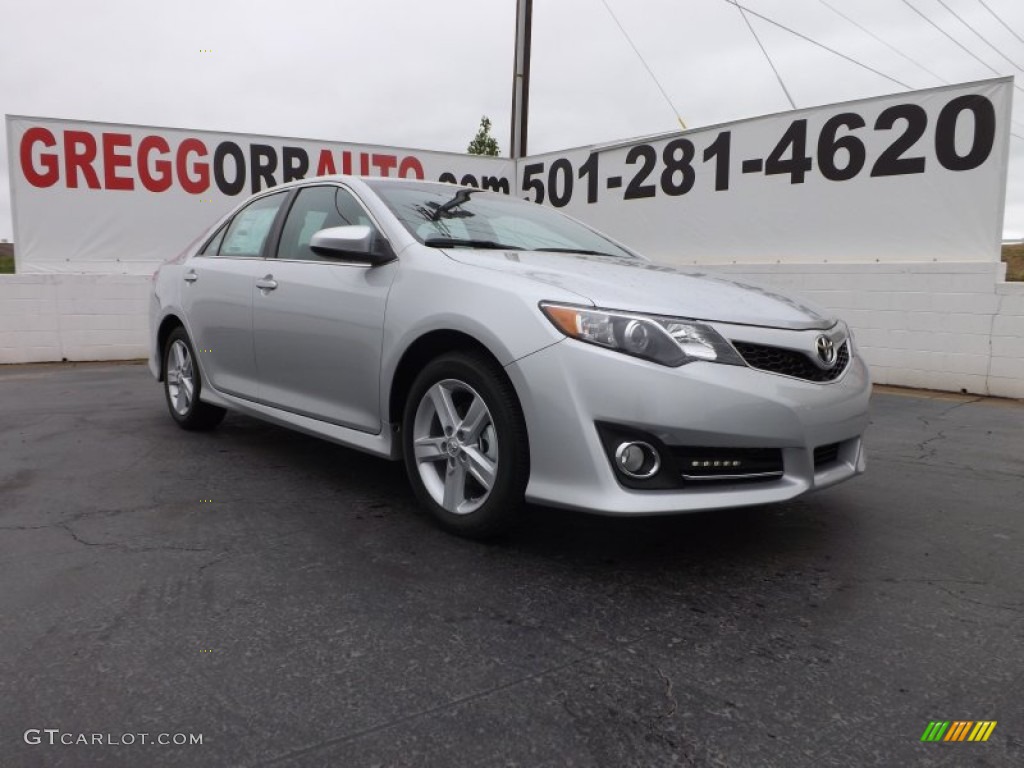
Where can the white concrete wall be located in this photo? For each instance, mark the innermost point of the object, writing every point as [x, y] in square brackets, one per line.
[954, 327]
[73, 317]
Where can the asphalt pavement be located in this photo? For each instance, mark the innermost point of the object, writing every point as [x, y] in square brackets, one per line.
[282, 599]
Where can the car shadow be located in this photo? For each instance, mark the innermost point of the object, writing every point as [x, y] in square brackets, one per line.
[802, 530]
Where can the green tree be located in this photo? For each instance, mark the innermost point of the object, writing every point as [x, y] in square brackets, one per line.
[483, 143]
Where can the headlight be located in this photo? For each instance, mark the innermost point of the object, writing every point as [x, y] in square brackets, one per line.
[664, 340]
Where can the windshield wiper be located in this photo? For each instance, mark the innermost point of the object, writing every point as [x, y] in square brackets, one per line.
[578, 250]
[454, 242]
[461, 197]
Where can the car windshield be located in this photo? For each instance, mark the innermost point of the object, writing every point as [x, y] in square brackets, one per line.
[443, 216]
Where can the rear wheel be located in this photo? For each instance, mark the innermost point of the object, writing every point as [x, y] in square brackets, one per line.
[465, 447]
[182, 385]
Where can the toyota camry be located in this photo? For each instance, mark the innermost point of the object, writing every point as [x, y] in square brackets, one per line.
[504, 352]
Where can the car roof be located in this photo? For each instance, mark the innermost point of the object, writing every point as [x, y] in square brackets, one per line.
[356, 181]
[349, 178]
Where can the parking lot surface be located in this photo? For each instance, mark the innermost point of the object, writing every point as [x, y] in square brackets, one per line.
[283, 597]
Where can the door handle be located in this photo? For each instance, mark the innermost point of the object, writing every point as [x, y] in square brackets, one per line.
[267, 283]
[191, 277]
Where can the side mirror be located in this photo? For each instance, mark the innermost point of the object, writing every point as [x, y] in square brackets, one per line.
[356, 242]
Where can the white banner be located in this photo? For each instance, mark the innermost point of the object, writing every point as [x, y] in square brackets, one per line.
[916, 176]
[105, 198]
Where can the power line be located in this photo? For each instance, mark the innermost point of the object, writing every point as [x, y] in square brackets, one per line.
[997, 18]
[854, 61]
[643, 61]
[819, 45]
[976, 32]
[966, 50]
[891, 47]
[771, 63]
[962, 47]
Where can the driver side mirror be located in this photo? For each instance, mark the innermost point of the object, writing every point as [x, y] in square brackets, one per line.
[355, 242]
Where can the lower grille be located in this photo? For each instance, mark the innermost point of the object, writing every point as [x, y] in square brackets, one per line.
[825, 455]
[790, 362]
[728, 464]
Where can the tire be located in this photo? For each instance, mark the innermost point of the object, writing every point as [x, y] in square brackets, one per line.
[183, 384]
[465, 445]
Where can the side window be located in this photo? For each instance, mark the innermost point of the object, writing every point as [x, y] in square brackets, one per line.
[317, 208]
[249, 229]
[213, 245]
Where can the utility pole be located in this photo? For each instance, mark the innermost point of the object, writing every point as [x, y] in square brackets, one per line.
[521, 78]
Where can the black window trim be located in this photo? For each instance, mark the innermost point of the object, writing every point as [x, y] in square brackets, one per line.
[278, 228]
[275, 225]
[216, 233]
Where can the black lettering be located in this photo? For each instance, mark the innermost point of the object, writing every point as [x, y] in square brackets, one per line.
[224, 150]
[495, 184]
[891, 162]
[648, 158]
[829, 144]
[720, 150]
[984, 132]
[264, 163]
[560, 197]
[296, 164]
[794, 140]
[678, 158]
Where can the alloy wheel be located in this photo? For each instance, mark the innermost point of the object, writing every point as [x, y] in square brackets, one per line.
[455, 446]
[181, 384]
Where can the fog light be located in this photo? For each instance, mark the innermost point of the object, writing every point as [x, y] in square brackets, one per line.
[637, 460]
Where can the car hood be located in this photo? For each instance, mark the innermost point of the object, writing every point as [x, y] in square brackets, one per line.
[642, 286]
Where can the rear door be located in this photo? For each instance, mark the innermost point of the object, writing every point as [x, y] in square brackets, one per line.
[218, 293]
[318, 322]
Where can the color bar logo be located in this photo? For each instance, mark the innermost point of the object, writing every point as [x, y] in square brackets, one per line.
[958, 730]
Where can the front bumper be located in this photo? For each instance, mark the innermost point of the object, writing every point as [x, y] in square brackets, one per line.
[567, 388]
[153, 358]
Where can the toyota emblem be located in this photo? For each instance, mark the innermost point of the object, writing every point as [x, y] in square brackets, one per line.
[826, 350]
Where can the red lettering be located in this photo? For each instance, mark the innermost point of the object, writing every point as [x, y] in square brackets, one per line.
[160, 182]
[112, 161]
[79, 154]
[201, 182]
[410, 164]
[385, 164]
[364, 164]
[50, 173]
[325, 166]
[346, 162]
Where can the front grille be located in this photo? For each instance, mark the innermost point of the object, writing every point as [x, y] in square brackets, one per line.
[790, 362]
[825, 455]
[728, 464]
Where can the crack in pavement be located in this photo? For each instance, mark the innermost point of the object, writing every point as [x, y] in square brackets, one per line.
[926, 452]
[124, 547]
[1011, 608]
[937, 583]
[668, 693]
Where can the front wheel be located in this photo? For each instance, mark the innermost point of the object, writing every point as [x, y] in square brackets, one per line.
[465, 445]
[182, 385]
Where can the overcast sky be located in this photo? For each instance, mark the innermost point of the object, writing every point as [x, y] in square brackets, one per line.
[420, 74]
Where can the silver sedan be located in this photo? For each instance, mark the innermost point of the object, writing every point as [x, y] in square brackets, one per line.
[504, 352]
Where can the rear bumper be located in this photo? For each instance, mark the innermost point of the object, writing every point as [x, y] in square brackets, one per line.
[566, 389]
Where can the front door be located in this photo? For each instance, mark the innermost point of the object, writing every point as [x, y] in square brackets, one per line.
[318, 322]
